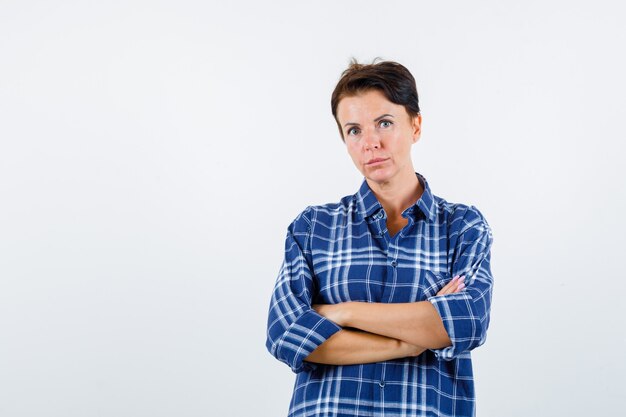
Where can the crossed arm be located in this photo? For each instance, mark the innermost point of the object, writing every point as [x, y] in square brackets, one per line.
[374, 332]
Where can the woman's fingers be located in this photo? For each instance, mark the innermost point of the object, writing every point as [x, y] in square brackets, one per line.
[450, 287]
[455, 285]
[446, 288]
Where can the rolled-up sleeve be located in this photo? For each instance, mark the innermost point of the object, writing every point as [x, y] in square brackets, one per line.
[294, 329]
[465, 314]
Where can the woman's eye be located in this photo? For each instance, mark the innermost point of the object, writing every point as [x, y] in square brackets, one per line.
[353, 131]
[385, 123]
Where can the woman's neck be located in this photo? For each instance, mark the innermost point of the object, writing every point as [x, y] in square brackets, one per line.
[398, 194]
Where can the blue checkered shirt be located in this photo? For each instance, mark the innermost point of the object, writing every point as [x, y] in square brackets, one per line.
[342, 252]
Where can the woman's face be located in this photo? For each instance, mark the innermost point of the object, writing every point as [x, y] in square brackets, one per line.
[379, 135]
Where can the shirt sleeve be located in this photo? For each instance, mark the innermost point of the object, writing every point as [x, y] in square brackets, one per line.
[465, 314]
[294, 329]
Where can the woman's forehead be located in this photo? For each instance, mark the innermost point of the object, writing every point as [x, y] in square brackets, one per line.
[371, 103]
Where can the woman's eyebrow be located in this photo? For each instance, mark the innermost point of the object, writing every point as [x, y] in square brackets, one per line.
[384, 115]
[376, 119]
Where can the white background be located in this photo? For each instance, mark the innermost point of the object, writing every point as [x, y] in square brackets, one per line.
[152, 154]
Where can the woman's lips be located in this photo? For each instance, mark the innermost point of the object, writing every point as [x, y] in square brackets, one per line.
[375, 161]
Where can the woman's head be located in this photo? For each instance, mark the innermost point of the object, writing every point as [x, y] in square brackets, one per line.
[377, 112]
[393, 80]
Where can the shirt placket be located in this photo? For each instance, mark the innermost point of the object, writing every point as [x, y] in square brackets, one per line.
[389, 280]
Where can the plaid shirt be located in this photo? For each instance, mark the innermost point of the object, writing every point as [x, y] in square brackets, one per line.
[342, 252]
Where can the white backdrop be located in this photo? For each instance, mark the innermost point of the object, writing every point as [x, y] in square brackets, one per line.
[152, 154]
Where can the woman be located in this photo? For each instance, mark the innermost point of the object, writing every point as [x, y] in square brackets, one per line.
[382, 296]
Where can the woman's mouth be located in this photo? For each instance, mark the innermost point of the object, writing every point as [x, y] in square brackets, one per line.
[375, 161]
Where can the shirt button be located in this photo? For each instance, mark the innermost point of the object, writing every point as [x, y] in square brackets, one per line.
[394, 263]
[381, 383]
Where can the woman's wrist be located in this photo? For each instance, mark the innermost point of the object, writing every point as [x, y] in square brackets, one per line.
[337, 313]
[410, 350]
[341, 313]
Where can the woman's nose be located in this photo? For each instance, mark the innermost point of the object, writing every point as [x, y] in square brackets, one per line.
[371, 141]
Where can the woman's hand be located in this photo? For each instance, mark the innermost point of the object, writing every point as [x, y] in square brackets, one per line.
[333, 312]
[455, 285]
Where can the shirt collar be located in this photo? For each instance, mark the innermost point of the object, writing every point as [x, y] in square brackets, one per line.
[369, 205]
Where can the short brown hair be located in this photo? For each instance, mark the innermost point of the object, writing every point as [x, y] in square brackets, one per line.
[390, 78]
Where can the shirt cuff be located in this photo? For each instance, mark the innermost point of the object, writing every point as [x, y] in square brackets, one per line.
[459, 322]
[303, 336]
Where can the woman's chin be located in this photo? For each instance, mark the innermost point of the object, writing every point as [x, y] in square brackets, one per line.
[378, 175]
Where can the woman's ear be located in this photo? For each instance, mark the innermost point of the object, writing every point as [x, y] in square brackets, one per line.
[417, 127]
